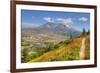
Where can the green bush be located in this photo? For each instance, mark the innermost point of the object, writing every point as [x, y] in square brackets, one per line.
[49, 46]
[24, 56]
[56, 46]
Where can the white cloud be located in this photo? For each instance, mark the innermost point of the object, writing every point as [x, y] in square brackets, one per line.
[84, 19]
[48, 19]
[60, 19]
[66, 22]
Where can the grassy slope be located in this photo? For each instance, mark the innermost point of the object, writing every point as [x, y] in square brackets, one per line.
[66, 51]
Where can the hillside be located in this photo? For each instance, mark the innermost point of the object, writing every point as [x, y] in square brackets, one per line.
[65, 50]
[38, 36]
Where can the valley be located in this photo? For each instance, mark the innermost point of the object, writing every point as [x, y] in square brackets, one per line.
[52, 42]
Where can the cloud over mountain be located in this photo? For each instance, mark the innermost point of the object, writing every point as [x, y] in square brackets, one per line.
[67, 22]
[48, 19]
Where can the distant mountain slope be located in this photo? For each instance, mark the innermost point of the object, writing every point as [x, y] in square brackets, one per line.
[57, 31]
[59, 28]
[46, 33]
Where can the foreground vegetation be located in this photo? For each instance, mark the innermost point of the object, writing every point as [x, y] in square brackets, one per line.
[62, 51]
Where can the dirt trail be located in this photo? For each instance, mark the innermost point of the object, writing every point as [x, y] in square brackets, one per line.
[82, 50]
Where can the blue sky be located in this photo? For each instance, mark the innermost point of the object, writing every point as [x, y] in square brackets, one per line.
[76, 20]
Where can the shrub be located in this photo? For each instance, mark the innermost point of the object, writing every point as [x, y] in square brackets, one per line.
[56, 46]
[24, 56]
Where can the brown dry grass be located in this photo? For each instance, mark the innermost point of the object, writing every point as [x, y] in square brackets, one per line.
[65, 50]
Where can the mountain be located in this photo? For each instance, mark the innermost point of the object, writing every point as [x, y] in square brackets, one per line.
[48, 32]
[59, 28]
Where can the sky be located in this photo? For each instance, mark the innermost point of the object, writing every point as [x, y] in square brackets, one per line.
[35, 18]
